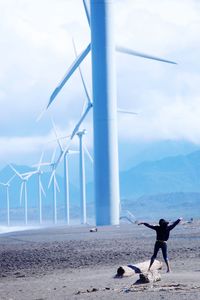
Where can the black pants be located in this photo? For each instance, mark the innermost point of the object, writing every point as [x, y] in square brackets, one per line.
[163, 247]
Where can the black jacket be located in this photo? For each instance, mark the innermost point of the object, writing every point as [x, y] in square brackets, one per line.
[162, 232]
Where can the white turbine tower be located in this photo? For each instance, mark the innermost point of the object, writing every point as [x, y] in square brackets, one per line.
[66, 183]
[83, 149]
[40, 192]
[80, 134]
[53, 181]
[106, 171]
[23, 190]
[7, 186]
[40, 187]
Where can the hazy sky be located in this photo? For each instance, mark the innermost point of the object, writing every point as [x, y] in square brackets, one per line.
[36, 50]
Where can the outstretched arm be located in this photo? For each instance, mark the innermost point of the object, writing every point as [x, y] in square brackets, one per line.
[174, 224]
[147, 225]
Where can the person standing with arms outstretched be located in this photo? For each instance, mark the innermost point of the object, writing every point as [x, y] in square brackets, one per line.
[162, 235]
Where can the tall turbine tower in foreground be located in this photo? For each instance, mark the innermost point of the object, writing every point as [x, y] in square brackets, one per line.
[106, 170]
[103, 48]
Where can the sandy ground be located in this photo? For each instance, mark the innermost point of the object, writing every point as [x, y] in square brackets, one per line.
[73, 263]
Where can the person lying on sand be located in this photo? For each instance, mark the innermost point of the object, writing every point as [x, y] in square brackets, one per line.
[162, 232]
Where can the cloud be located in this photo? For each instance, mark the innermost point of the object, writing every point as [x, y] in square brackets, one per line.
[18, 149]
[36, 47]
[164, 121]
[28, 149]
[36, 50]
[166, 97]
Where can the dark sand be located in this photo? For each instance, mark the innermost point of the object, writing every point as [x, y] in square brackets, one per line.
[73, 263]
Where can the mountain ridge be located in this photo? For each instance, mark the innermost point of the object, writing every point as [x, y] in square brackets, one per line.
[170, 183]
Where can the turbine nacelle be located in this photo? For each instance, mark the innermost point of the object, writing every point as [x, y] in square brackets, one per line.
[81, 133]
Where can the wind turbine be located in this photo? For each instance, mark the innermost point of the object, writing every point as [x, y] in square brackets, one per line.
[23, 190]
[64, 154]
[40, 187]
[53, 181]
[40, 192]
[106, 171]
[7, 186]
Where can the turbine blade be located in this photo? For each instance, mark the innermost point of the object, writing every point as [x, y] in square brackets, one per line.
[4, 184]
[70, 71]
[28, 174]
[76, 128]
[56, 183]
[83, 108]
[53, 155]
[51, 178]
[81, 74]
[61, 156]
[40, 116]
[61, 138]
[88, 153]
[59, 159]
[11, 179]
[86, 11]
[40, 161]
[16, 172]
[41, 187]
[42, 164]
[140, 54]
[123, 111]
[56, 135]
